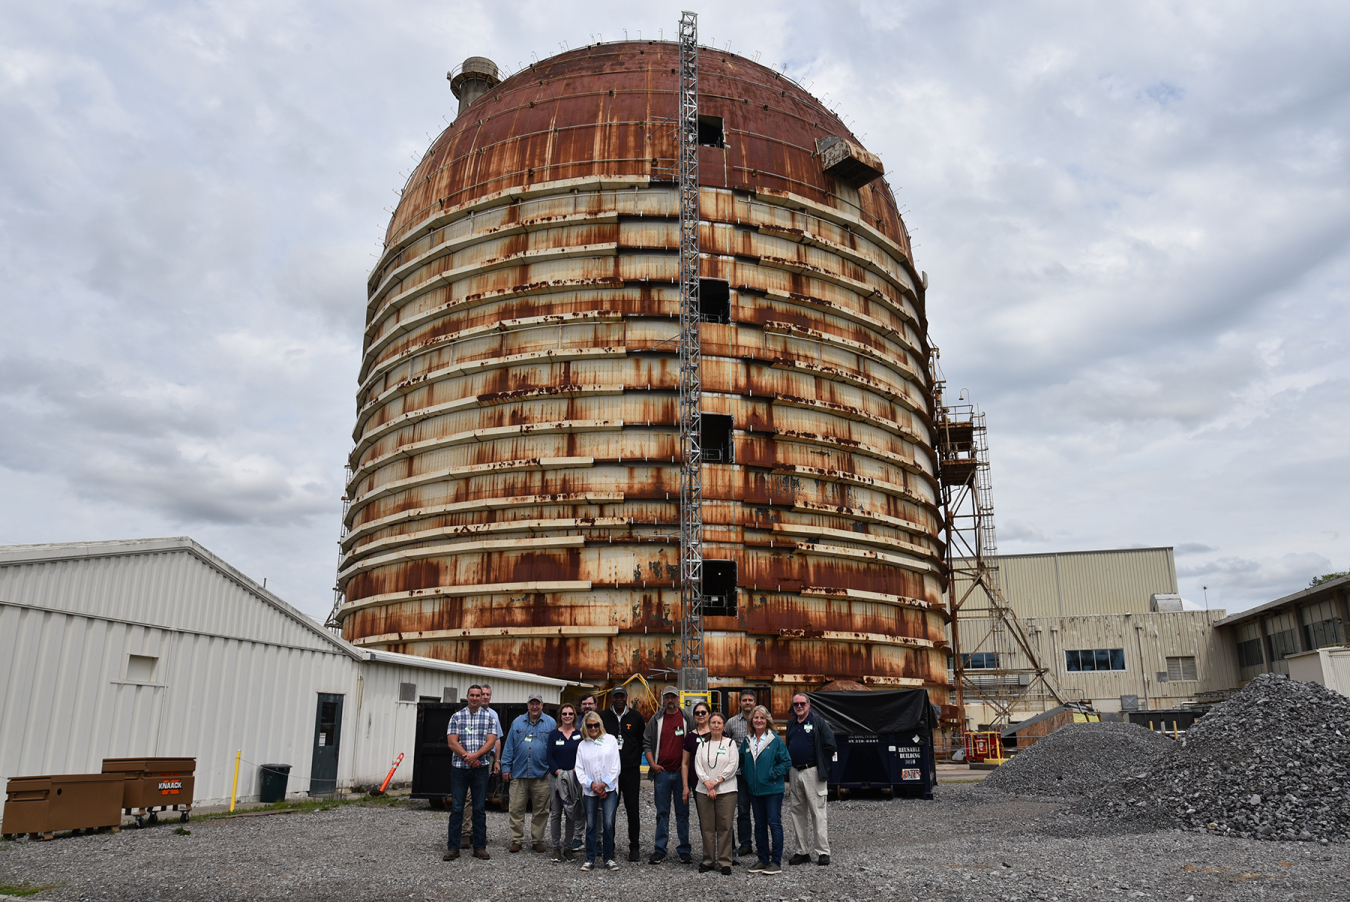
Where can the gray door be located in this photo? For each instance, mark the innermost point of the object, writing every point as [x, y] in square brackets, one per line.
[327, 737]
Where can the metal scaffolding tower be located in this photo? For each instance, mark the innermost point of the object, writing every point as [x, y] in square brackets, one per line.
[693, 668]
[1008, 672]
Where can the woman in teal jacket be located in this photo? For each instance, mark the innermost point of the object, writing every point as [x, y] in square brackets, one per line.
[765, 763]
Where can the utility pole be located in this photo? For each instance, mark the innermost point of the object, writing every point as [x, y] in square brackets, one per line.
[693, 666]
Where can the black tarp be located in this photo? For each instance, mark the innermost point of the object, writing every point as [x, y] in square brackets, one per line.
[881, 711]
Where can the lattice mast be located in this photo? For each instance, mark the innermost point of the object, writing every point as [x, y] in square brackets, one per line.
[972, 564]
[693, 668]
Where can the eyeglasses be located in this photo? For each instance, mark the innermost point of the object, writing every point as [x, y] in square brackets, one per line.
[594, 726]
[799, 704]
[700, 713]
[569, 714]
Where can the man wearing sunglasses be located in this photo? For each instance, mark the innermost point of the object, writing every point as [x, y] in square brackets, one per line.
[626, 725]
[811, 746]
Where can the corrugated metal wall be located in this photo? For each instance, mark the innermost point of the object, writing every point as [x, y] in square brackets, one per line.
[67, 702]
[1084, 582]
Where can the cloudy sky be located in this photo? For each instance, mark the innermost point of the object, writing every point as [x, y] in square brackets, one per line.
[1135, 218]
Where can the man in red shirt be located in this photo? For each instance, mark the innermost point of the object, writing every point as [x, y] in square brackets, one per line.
[663, 743]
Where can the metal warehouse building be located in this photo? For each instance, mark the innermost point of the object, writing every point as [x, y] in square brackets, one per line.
[156, 647]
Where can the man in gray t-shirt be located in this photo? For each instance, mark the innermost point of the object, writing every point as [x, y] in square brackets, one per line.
[737, 729]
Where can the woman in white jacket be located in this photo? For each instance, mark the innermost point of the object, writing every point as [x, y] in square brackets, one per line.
[598, 772]
[715, 763]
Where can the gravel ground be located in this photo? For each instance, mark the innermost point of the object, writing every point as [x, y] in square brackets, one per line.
[967, 844]
[1272, 762]
[1078, 759]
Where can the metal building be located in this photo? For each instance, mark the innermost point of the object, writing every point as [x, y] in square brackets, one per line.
[514, 483]
[156, 647]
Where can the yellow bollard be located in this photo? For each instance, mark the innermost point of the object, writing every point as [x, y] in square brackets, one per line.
[234, 790]
[1175, 733]
[1150, 726]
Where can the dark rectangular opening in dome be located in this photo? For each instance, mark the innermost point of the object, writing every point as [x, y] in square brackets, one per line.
[718, 447]
[719, 588]
[710, 132]
[714, 301]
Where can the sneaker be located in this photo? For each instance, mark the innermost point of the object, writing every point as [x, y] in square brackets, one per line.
[569, 855]
[823, 860]
[686, 859]
[450, 855]
[611, 865]
[556, 855]
[735, 860]
[726, 871]
[774, 868]
[634, 853]
[759, 867]
[656, 858]
[799, 859]
[745, 849]
[588, 865]
[704, 868]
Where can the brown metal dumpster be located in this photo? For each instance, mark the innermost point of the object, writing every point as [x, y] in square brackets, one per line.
[153, 785]
[42, 805]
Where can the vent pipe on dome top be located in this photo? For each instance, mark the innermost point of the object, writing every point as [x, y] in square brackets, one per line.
[475, 77]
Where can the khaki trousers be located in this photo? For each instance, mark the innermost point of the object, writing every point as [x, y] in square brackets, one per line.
[806, 801]
[715, 818]
[533, 789]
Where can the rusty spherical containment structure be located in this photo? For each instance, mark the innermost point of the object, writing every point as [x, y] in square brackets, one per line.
[515, 480]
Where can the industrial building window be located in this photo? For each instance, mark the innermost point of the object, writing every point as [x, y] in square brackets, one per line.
[141, 668]
[1181, 668]
[450, 694]
[1094, 659]
[719, 588]
[714, 300]
[1321, 625]
[980, 660]
[407, 692]
[1249, 655]
[710, 133]
[718, 448]
[1282, 640]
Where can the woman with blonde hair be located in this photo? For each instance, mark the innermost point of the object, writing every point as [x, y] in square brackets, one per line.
[598, 772]
[765, 762]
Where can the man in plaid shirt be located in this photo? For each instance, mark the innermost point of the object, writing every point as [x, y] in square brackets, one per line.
[471, 736]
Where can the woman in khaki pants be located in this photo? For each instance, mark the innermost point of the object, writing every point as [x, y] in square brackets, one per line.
[715, 764]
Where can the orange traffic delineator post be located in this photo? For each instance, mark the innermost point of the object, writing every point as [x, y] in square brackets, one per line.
[385, 784]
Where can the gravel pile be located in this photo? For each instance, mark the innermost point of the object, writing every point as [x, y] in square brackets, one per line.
[1077, 759]
[1272, 762]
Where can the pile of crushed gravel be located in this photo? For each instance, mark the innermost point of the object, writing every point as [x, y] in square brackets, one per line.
[1077, 759]
[1272, 762]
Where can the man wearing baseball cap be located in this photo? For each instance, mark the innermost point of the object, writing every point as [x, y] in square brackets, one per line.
[626, 725]
[663, 743]
[525, 770]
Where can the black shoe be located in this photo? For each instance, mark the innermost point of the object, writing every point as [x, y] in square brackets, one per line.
[726, 871]
[800, 859]
[656, 858]
[704, 868]
[686, 859]
[745, 850]
[823, 860]
[634, 853]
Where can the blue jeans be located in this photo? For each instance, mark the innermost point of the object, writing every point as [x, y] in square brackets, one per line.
[668, 784]
[743, 831]
[768, 820]
[600, 824]
[461, 778]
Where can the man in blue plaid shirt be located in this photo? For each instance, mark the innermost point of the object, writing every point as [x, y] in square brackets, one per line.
[471, 736]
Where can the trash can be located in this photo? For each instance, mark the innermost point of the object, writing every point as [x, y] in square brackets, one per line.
[153, 785]
[272, 782]
[43, 805]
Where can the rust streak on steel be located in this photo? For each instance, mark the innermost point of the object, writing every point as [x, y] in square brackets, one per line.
[514, 497]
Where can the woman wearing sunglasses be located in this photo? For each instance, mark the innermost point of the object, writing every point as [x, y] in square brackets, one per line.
[715, 764]
[692, 740]
[598, 772]
[562, 758]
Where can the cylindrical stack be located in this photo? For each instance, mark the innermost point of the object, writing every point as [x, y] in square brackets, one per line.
[514, 497]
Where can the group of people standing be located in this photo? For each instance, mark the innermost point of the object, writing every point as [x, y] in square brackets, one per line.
[576, 770]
